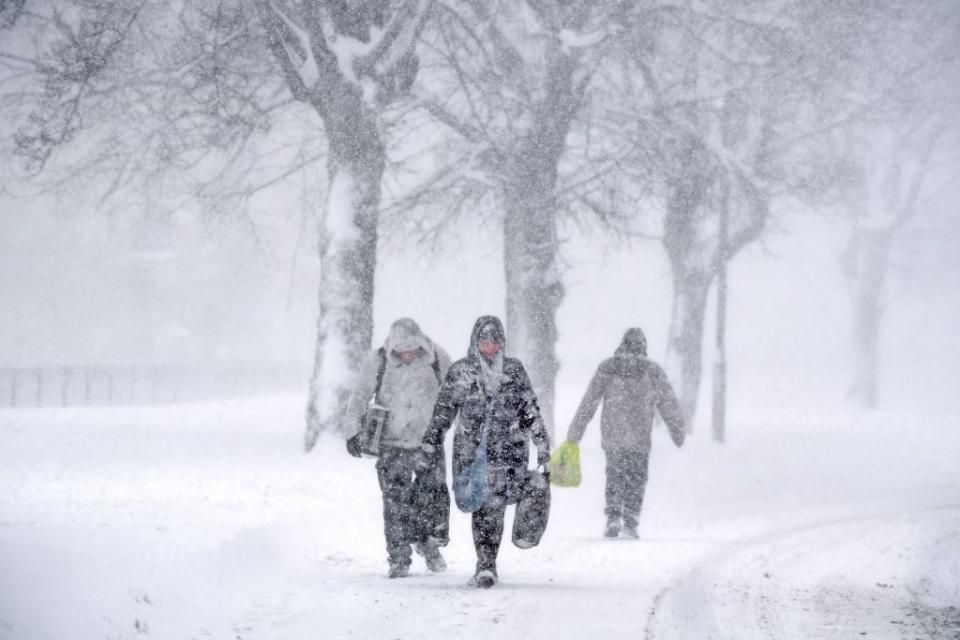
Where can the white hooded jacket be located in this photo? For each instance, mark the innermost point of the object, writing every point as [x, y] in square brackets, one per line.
[409, 391]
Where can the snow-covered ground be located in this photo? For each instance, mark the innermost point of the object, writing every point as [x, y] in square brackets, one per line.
[208, 521]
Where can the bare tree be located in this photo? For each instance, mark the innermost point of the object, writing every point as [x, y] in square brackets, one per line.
[907, 148]
[349, 62]
[735, 98]
[511, 79]
[190, 84]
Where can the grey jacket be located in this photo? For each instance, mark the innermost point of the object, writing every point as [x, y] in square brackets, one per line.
[409, 391]
[633, 389]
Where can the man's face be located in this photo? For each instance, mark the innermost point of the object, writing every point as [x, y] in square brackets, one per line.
[488, 348]
[408, 356]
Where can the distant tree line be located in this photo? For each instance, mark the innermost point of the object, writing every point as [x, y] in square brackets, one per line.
[694, 119]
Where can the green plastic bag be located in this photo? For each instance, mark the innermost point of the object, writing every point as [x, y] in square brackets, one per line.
[564, 465]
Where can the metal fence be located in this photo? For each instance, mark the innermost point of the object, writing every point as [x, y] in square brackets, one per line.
[112, 385]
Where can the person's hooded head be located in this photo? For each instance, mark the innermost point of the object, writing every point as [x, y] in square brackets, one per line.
[487, 339]
[406, 342]
[487, 344]
[634, 343]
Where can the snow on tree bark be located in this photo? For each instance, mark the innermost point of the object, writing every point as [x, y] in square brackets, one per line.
[348, 263]
[349, 62]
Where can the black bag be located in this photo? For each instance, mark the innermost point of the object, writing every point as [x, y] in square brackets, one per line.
[533, 510]
[373, 422]
[431, 505]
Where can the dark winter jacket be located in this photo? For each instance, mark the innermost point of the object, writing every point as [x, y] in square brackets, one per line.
[514, 418]
[633, 388]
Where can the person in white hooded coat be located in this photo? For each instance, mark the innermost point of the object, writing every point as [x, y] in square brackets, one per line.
[413, 367]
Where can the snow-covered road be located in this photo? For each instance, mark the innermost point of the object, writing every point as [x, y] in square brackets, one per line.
[207, 521]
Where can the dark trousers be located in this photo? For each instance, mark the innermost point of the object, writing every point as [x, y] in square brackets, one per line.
[487, 532]
[626, 483]
[506, 484]
[395, 472]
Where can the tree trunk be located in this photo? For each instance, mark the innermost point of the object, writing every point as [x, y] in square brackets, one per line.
[349, 88]
[348, 253]
[685, 348]
[867, 256]
[865, 266]
[693, 255]
[534, 290]
[720, 364]
[530, 243]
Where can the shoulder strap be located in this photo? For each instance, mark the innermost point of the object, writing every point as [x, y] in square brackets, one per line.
[436, 366]
[383, 365]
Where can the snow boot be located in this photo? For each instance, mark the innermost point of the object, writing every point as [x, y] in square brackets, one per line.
[613, 528]
[484, 579]
[431, 553]
[630, 531]
[398, 570]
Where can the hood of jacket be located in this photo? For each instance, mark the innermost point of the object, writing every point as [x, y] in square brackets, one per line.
[634, 343]
[491, 370]
[473, 351]
[405, 335]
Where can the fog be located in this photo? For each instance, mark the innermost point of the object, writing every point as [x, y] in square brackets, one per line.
[80, 292]
[132, 238]
[211, 212]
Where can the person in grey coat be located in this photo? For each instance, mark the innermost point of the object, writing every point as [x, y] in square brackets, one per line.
[413, 367]
[486, 387]
[633, 389]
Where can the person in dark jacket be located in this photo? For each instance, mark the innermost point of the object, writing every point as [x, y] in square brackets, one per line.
[633, 389]
[410, 367]
[487, 386]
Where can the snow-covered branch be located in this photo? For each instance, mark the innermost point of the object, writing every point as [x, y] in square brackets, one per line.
[389, 45]
[296, 45]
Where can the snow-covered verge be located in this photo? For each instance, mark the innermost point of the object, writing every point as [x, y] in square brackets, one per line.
[889, 577]
[208, 521]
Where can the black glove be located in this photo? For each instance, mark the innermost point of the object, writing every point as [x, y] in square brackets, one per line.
[353, 446]
[543, 457]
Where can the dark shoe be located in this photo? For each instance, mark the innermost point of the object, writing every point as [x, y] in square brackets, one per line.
[398, 570]
[431, 553]
[435, 562]
[484, 579]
